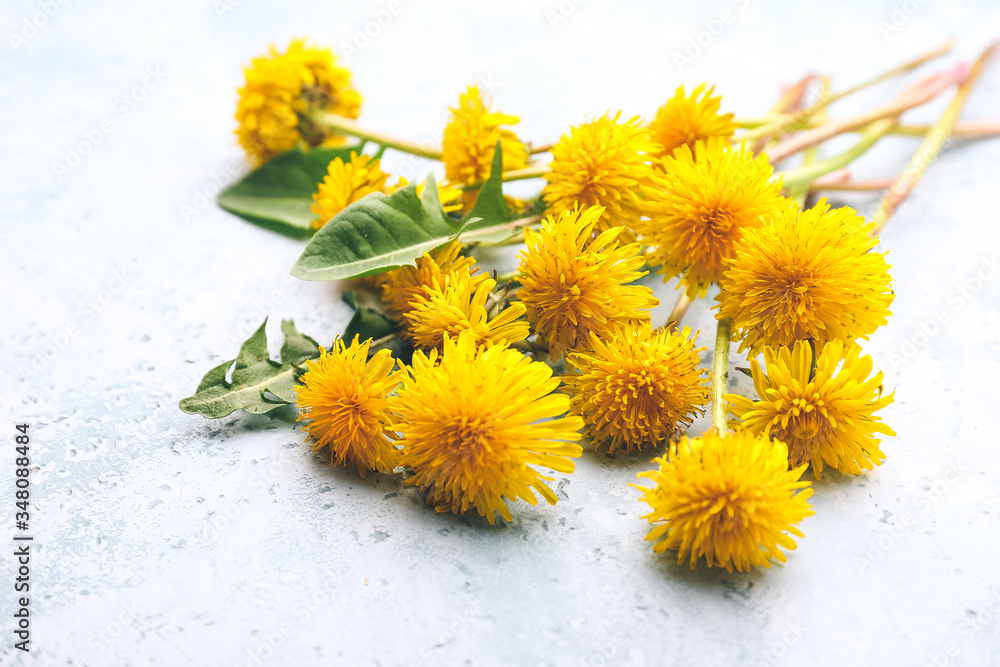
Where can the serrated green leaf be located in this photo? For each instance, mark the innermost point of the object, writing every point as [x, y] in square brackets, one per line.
[255, 375]
[297, 346]
[283, 386]
[215, 376]
[378, 233]
[278, 194]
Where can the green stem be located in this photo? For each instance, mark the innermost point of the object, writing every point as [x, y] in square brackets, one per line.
[916, 94]
[930, 146]
[534, 348]
[799, 193]
[347, 126]
[379, 343]
[534, 171]
[901, 69]
[756, 121]
[514, 276]
[471, 238]
[808, 173]
[720, 375]
[821, 184]
[679, 310]
[970, 129]
[779, 122]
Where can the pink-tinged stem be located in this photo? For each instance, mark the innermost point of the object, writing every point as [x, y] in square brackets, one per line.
[791, 100]
[841, 175]
[779, 122]
[919, 93]
[966, 129]
[931, 145]
[852, 186]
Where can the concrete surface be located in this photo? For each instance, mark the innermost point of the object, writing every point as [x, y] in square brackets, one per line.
[165, 539]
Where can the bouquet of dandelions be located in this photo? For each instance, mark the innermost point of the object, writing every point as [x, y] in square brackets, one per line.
[454, 382]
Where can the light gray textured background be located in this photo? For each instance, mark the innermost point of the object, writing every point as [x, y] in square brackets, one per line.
[166, 539]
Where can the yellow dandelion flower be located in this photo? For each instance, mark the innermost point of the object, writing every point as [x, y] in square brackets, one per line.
[806, 275]
[346, 183]
[280, 88]
[700, 206]
[473, 423]
[449, 196]
[826, 419]
[516, 205]
[401, 286]
[601, 163]
[470, 140]
[457, 306]
[574, 284]
[685, 120]
[635, 386]
[344, 398]
[730, 499]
